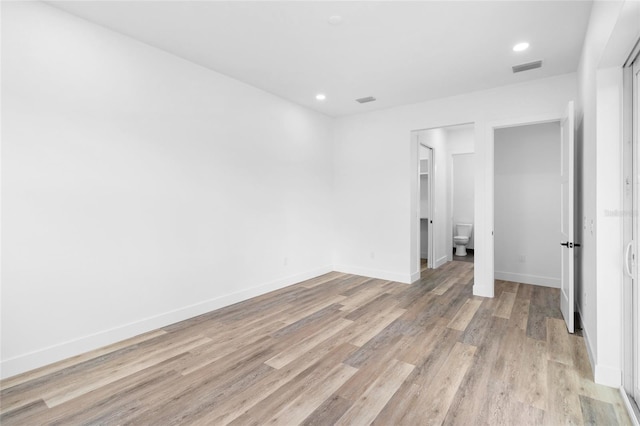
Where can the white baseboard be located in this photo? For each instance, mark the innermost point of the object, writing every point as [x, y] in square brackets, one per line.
[602, 374]
[633, 414]
[483, 291]
[51, 354]
[415, 277]
[528, 279]
[587, 342]
[608, 376]
[441, 261]
[374, 273]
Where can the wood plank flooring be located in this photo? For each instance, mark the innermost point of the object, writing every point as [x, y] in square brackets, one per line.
[338, 349]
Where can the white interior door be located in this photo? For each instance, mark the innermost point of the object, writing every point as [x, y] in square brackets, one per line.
[566, 221]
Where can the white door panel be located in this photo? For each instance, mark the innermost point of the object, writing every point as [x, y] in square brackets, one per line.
[566, 221]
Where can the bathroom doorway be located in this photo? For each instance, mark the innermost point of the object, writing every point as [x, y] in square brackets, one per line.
[436, 151]
[462, 205]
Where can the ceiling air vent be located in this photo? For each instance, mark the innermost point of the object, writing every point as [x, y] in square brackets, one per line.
[365, 100]
[526, 67]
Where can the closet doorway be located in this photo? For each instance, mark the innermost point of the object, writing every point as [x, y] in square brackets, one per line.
[426, 185]
[527, 204]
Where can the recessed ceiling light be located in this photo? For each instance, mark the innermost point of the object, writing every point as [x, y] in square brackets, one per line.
[335, 20]
[321, 96]
[520, 47]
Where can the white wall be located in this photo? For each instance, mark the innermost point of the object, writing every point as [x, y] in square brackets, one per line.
[612, 32]
[388, 171]
[189, 190]
[460, 139]
[140, 189]
[527, 204]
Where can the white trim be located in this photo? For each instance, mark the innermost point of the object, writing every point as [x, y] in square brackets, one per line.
[587, 341]
[51, 354]
[602, 374]
[375, 273]
[440, 261]
[415, 277]
[629, 406]
[528, 279]
[483, 291]
[608, 376]
[489, 193]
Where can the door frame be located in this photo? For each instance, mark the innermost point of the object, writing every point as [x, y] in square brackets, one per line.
[489, 192]
[414, 192]
[432, 186]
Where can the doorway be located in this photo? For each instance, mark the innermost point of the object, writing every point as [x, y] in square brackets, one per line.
[527, 205]
[488, 263]
[463, 203]
[426, 181]
[434, 230]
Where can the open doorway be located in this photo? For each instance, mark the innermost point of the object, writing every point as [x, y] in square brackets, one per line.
[535, 165]
[444, 196]
[527, 204]
[462, 205]
[564, 192]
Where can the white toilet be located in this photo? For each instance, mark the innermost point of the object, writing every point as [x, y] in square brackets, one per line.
[461, 239]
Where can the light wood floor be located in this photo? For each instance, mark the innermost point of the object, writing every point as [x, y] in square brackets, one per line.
[338, 349]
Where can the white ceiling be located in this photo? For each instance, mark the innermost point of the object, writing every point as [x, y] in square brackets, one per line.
[398, 52]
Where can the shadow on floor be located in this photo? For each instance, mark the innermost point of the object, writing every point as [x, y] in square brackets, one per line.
[467, 258]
